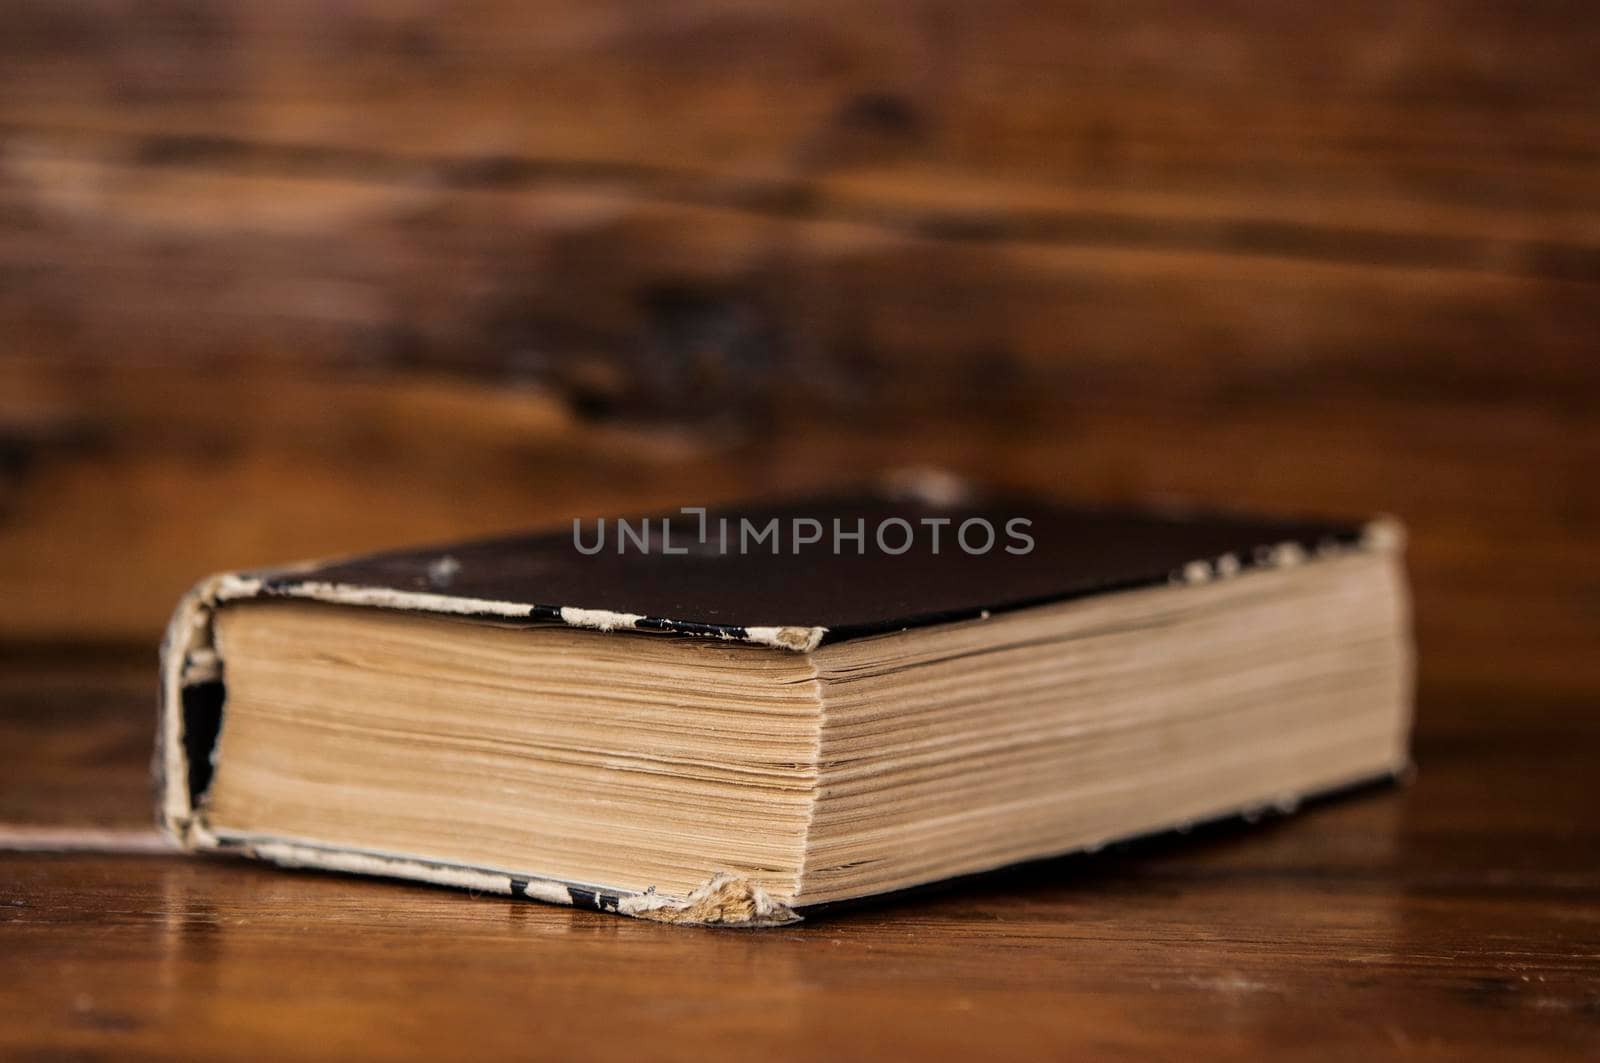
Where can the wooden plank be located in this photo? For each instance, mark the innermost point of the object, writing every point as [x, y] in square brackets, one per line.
[1059, 88]
[685, 310]
[627, 205]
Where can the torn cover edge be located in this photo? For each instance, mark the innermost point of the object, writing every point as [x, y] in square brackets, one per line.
[189, 663]
[283, 583]
[724, 899]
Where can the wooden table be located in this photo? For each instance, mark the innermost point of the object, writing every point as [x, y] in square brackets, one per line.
[1455, 916]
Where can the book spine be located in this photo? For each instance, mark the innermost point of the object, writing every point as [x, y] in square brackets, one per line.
[187, 661]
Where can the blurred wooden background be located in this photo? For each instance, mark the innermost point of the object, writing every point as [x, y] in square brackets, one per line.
[298, 278]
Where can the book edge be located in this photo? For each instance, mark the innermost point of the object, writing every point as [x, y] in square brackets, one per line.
[189, 663]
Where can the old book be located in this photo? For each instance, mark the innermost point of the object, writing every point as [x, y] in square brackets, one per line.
[727, 717]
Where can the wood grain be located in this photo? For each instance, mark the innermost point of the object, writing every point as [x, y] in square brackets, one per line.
[1052, 90]
[681, 303]
[684, 212]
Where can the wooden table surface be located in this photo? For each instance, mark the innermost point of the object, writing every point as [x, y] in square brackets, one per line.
[1456, 916]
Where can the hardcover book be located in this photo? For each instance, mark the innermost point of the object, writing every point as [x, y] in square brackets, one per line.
[729, 716]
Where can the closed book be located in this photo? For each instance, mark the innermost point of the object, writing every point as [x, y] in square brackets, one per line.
[727, 716]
